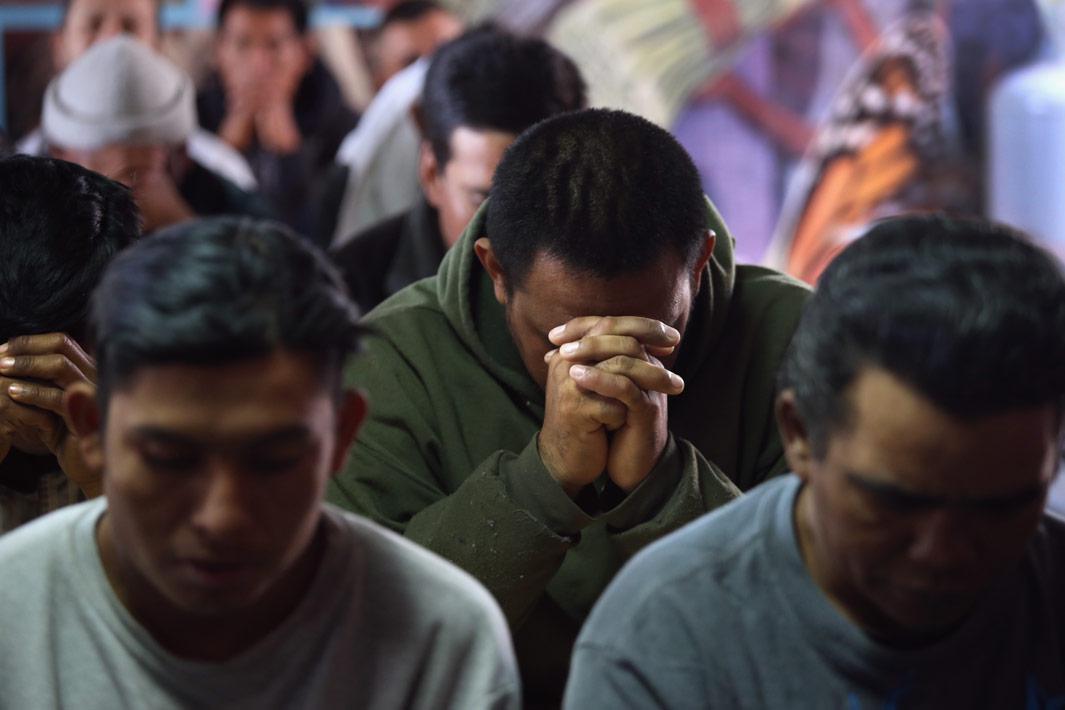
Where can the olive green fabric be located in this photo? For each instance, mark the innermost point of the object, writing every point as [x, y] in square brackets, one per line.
[448, 454]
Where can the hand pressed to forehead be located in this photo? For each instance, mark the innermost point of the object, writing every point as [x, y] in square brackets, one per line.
[625, 348]
[35, 371]
[656, 336]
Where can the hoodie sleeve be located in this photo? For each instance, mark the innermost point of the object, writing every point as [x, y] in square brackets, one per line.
[506, 522]
[682, 486]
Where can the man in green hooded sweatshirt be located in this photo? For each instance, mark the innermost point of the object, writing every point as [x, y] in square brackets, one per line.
[588, 371]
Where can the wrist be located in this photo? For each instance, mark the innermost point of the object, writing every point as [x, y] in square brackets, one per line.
[552, 464]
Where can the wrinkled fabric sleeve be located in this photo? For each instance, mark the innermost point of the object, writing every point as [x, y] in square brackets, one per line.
[682, 487]
[513, 548]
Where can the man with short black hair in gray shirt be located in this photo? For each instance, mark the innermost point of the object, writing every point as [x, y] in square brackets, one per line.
[908, 562]
[211, 574]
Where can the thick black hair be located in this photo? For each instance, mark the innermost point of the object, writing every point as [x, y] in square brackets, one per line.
[969, 313]
[215, 291]
[60, 225]
[605, 191]
[410, 10]
[488, 79]
[297, 9]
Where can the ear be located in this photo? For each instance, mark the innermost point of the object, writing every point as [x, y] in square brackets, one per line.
[793, 435]
[707, 251]
[82, 414]
[483, 248]
[349, 419]
[428, 172]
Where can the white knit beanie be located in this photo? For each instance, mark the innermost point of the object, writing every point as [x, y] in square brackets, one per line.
[119, 91]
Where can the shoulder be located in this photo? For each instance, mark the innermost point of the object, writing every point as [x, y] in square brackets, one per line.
[412, 314]
[425, 588]
[764, 313]
[771, 293]
[209, 193]
[28, 553]
[372, 246]
[691, 581]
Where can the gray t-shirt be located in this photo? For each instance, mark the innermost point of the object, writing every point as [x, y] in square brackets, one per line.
[385, 624]
[723, 614]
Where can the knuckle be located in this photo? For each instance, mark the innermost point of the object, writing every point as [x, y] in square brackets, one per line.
[606, 324]
[65, 343]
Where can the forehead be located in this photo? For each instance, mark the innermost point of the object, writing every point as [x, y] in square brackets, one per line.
[217, 401]
[254, 20]
[553, 292]
[85, 8]
[477, 151]
[896, 435]
[419, 35]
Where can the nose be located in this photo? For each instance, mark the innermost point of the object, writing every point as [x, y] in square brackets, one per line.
[261, 61]
[110, 27]
[224, 510]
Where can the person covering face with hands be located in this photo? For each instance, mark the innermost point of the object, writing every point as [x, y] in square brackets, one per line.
[541, 469]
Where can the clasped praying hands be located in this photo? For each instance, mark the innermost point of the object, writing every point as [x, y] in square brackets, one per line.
[606, 404]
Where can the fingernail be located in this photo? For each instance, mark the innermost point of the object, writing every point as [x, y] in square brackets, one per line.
[672, 333]
[570, 348]
[676, 380]
[3, 348]
[16, 390]
[557, 331]
[6, 362]
[578, 371]
[550, 354]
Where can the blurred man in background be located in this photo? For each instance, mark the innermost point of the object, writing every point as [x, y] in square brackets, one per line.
[377, 172]
[86, 22]
[482, 90]
[274, 101]
[126, 112]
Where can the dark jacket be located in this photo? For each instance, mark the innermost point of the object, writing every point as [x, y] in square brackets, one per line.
[211, 195]
[448, 454]
[391, 255]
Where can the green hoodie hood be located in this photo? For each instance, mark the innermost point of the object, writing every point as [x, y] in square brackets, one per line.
[465, 294]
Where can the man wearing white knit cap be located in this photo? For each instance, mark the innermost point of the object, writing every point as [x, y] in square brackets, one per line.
[126, 112]
[87, 22]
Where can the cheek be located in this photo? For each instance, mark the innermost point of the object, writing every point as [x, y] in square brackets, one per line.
[854, 535]
[79, 43]
[1004, 542]
[532, 352]
[456, 212]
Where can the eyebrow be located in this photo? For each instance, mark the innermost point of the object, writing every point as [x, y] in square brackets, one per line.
[292, 434]
[903, 497]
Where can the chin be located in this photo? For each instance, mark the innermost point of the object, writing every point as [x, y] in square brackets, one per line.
[928, 612]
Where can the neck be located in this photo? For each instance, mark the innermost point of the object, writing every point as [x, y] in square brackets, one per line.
[209, 637]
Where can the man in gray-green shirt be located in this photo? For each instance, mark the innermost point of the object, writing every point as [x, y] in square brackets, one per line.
[908, 562]
[211, 574]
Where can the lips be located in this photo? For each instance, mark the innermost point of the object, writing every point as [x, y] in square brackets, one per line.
[216, 573]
